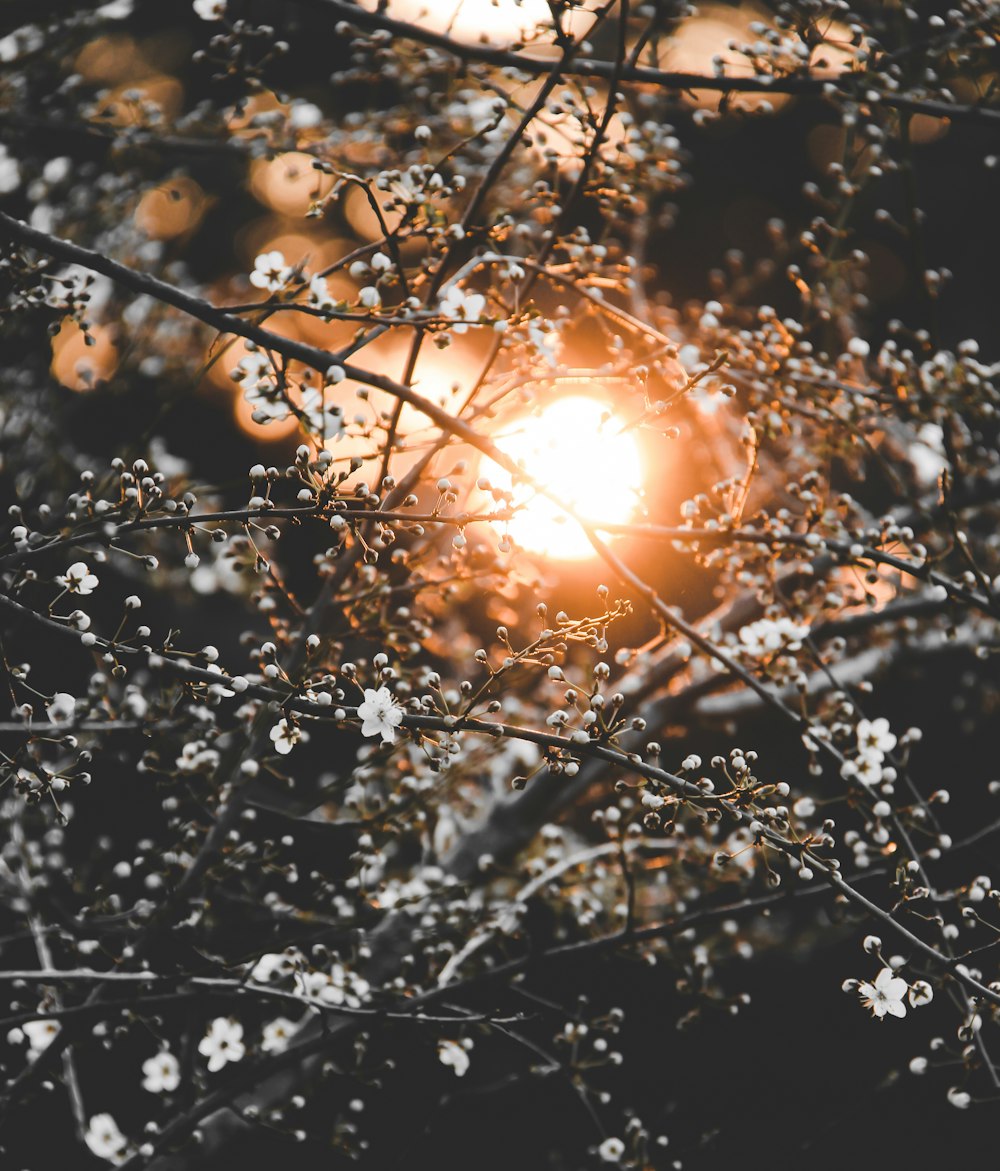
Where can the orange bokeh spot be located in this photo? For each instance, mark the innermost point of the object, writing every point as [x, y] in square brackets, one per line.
[275, 431]
[288, 183]
[77, 365]
[706, 35]
[171, 209]
[111, 60]
[485, 22]
[126, 104]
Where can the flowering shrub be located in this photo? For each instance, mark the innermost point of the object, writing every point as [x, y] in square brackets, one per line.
[456, 664]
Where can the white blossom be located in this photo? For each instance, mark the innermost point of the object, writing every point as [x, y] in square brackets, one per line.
[270, 272]
[78, 579]
[767, 636]
[463, 307]
[222, 1043]
[277, 1034]
[319, 293]
[322, 417]
[104, 1138]
[274, 966]
[885, 996]
[255, 372]
[868, 769]
[285, 736]
[40, 1035]
[611, 1150]
[197, 757]
[381, 715]
[874, 738]
[454, 1054]
[340, 986]
[209, 9]
[162, 1073]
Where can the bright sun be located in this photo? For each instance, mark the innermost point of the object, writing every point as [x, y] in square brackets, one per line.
[593, 468]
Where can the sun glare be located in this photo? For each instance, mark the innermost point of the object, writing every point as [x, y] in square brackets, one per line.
[589, 464]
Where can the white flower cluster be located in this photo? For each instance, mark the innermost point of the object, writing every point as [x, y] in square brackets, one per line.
[272, 274]
[875, 740]
[771, 636]
[337, 987]
[462, 307]
[262, 389]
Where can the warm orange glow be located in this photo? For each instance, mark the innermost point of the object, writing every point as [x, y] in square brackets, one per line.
[276, 431]
[485, 22]
[924, 129]
[111, 60]
[128, 104]
[242, 122]
[861, 595]
[706, 35]
[595, 468]
[289, 183]
[564, 129]
[77, 365]
[171, 209]
[836, 54]
[361, 217]
[225, 355]
[303, 244]
[443, 376]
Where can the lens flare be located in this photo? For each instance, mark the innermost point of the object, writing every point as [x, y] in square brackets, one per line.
[575, 450]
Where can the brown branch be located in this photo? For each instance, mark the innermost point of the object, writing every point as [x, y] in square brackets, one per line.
[851, 86]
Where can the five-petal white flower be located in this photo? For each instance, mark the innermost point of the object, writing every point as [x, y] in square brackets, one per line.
[885, 996]
[285, 736]
[104, 1138]
[277, 1034]
[380, 714]
[874, 738]
[462, 307]
[162, 1073]
[270, 272]
[222, 1043]
[78, 579]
